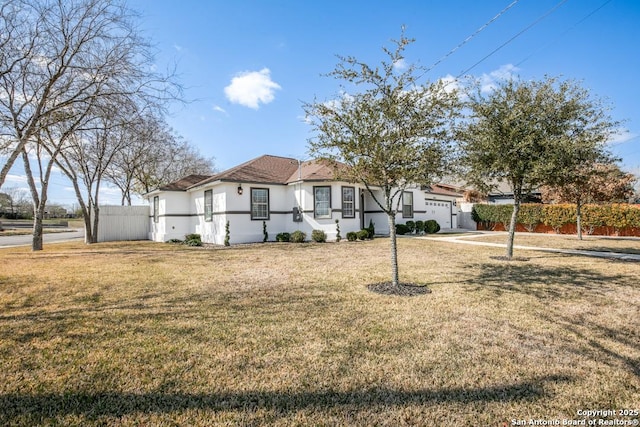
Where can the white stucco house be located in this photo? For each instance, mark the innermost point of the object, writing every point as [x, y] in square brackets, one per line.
[287, 195]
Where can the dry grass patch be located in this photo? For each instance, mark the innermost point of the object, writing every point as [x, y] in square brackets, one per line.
[153, 334]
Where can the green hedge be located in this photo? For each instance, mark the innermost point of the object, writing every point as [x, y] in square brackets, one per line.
[617, 216]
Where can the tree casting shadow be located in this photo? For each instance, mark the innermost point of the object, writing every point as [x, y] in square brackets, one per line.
[41, 407]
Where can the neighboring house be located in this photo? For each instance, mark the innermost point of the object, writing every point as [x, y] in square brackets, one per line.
[287, 195]
[503, 195]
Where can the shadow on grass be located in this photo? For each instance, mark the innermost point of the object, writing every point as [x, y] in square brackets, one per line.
[26, 408]
[544, 282]
[600, 341]
[634, 250]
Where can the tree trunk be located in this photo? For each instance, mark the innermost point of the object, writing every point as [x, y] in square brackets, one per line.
[394, 249]
[88, 235]
[36, 241]
[96, 218]
[512, 227]
[579, 218]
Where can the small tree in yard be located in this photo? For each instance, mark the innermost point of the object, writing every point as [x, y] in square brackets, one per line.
[592, 182]
[389, 130]
[530, 134]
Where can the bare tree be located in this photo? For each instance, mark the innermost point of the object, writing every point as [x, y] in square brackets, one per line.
[154, 155]
[67, 55]
[86, 158]
[15, 202]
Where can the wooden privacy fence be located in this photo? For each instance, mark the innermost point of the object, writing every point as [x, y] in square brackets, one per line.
[123, 223]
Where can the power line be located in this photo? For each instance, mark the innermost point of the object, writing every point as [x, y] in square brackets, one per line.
[565, 32]
[465, 41]
[533, 24]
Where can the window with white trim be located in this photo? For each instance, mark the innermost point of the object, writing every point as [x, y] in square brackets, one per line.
[322, 202]
[156, 209]
[208, 205]
[348, 202]
[260, 203]
[407, 204]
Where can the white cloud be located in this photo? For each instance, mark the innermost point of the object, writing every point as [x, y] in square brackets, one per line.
[177, 47]
[490, 81]
[219, 109]
[18, 179]
[250, 88]
[400, 65]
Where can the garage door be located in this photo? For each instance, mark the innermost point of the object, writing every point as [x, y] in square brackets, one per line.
[440, 211]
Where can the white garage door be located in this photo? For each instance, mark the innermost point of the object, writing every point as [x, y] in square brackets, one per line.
[440, 211]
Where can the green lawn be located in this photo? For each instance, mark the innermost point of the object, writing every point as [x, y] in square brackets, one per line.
[283, 334]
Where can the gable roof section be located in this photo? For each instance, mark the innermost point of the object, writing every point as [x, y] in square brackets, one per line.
[269, 169]
[264, 170]
[313, 170]
[184, 183]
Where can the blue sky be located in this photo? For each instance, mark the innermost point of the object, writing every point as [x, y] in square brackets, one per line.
[247, 66]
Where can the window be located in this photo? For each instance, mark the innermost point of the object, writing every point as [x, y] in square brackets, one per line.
[407, 204]
[259, 203]
[208, 205]
[322, 202]
[156, 209]
[348, 202]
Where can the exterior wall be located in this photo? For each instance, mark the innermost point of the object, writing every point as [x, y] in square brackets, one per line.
[174, 216]
[181, 213]
[303, 197]
[422, 210]
[210, 231]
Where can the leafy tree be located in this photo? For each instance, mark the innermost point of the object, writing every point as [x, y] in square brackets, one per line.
[528, 134]
[387, 128]
[590, 183]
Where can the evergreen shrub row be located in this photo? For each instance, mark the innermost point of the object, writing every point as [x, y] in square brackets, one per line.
[616, 216]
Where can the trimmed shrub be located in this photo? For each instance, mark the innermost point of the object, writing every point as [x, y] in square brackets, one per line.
[431, 226]
[484, 215]
[283, 237]
[557, 216]
[593, 216]
[411, 225]
[265, 235]
[401, 229]
[192, 240]
[226, 234]
[338, 236]
[363, 234]
[352, 236]
[419, 226]
[530, 215]
[298, 237]
[371, 229]
[319, 236]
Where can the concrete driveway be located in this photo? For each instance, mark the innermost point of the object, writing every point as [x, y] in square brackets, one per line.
[25, 240]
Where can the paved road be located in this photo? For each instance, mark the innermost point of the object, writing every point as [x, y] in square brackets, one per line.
[11, 241]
